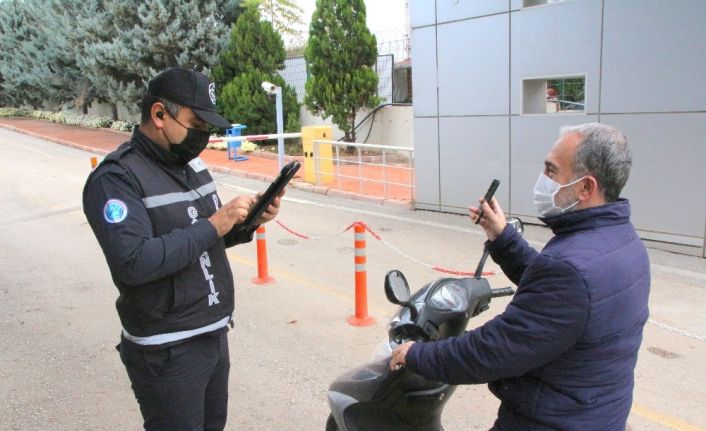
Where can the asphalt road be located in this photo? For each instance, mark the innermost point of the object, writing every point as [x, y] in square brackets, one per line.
[59, 369]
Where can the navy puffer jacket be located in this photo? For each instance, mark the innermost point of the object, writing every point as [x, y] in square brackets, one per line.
[562, 355]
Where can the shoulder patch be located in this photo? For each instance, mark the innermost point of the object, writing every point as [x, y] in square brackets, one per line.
[115, 211]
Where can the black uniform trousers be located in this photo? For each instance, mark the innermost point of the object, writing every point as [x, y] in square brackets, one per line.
[182, 387]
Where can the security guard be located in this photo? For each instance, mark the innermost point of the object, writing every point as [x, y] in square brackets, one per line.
[153, 207]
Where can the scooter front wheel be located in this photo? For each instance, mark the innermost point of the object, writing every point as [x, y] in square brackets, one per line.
[331, 423]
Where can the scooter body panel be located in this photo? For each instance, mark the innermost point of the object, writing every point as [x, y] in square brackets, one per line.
[371, 397]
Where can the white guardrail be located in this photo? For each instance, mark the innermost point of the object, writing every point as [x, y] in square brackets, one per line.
[371, 166]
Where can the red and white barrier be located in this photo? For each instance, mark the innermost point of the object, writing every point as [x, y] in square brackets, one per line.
[252, 138]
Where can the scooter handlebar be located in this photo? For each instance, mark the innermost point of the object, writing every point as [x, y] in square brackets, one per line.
[503, 291]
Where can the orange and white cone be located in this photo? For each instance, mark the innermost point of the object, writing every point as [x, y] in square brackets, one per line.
[361, 317]
[262, 276]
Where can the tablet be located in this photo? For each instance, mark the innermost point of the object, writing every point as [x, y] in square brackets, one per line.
[264, 201]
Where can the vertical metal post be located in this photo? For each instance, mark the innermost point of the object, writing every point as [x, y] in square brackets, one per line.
[384, 174]
[280, 126]
[338, 165]
[411, 174]
[360, 169]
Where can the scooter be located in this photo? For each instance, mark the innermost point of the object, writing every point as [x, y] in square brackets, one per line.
[374, 398]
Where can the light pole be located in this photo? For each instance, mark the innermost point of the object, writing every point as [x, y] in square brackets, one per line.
[275, 90]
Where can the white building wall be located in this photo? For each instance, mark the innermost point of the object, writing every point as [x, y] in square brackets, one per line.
[644, 70]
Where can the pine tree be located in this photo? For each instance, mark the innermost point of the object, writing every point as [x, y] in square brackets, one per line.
[20, 37]
[61, 77]
[145, 37]
[37, 63]
[255, 53]
[340, 55]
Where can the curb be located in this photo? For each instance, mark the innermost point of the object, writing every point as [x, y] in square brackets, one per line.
[56, 140]
[300, 185]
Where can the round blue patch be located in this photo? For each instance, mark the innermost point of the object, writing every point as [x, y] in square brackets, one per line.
[115, 211]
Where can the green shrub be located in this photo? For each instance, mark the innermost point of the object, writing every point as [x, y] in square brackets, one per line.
[58, 117]
[14, 112]
[64, 117]
[125, 126]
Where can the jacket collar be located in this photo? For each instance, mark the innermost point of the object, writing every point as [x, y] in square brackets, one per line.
[154, 151]
[614, 213]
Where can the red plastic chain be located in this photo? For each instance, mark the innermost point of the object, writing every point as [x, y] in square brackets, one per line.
[379, 238]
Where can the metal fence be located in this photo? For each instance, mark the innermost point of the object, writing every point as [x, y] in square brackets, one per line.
[374, 170]
[294, 74]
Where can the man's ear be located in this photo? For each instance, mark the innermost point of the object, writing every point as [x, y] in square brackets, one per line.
[588, 188]
[157, 113]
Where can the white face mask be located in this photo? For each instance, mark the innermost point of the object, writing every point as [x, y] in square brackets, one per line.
[545, 190]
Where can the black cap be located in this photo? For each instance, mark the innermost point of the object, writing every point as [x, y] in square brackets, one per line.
[189, 88]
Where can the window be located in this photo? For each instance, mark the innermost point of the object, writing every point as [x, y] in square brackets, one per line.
[553, 95]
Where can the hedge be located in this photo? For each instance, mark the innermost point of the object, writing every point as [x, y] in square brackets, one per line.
[68, 118]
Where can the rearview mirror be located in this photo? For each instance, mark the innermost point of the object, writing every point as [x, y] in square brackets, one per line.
[396, 288]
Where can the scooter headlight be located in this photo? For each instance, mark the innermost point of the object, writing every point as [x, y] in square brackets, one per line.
[451, 296]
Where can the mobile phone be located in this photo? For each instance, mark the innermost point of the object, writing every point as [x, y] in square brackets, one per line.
[488, 196]
[264, 201]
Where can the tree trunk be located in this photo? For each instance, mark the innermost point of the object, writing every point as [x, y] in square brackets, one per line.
[115, 111]
[353, 126]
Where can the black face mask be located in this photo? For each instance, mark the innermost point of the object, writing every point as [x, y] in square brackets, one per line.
[191, 146]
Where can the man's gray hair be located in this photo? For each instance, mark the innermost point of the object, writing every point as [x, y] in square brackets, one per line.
[171, 107]
[604, 154]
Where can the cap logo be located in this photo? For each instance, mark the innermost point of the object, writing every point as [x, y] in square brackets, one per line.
[212, 92]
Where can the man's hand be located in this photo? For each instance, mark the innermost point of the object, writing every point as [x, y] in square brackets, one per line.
[493, 221]
[232, 213]
[399, 356]
[272, 210]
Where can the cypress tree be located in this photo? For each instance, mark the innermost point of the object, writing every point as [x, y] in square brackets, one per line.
[255, 53]
[339, 56]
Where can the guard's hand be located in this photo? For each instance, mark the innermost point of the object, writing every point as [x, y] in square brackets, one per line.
[399, 356]
[493, 220]
[231, 213]
[272, 210]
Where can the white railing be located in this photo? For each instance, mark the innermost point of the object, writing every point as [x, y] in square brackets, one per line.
[388, 167]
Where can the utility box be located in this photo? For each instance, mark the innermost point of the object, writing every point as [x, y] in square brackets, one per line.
[233, 146]
[322, 161]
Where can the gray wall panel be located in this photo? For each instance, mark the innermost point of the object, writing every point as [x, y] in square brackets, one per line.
[474, 150]
[426, 160]
[453, 10]
[424, 78]
[653, 58]
[668, 177]
[644, 68]
[473, 66]
[421, 13]
[532, 137]
[562, 39]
